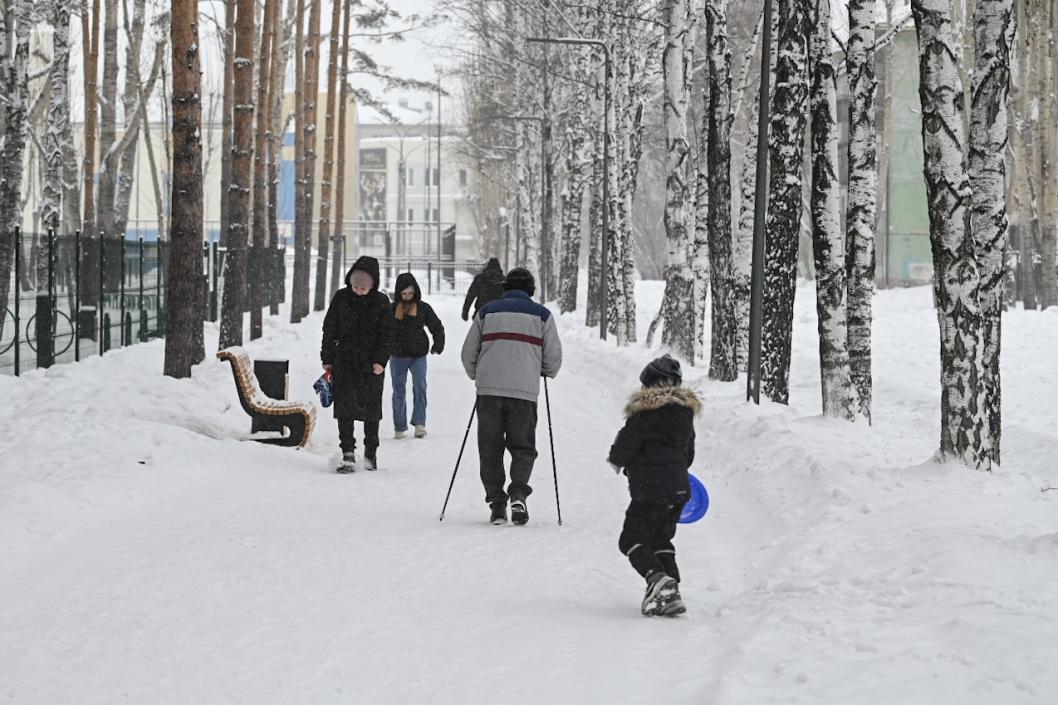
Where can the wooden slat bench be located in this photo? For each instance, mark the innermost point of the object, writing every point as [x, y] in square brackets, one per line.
[299, 418]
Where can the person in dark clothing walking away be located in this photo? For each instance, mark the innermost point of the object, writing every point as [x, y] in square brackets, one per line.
[410, 315]
[487, 286]
[511, 343]
[654, 449]
[357, 335]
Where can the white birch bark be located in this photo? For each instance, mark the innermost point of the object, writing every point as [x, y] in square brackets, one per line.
[679, 285]
[785, 184]
[860, 218]
[828, 245]
[993, 41]
[723, 364]
[577, 160]
[595, 278]
[1048, 139]
[58, 119]
[956, 276]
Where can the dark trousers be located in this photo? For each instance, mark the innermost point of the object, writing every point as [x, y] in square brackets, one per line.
[348, 440]
[508, 424]
[647, 537]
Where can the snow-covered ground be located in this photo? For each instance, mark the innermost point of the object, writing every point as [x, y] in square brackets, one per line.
[151, 556]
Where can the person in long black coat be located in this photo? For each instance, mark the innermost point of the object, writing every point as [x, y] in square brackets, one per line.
[410, 345]
[357, 339]
[487, 286]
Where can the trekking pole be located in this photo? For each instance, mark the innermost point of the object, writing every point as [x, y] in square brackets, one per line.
[461, 448]
[551, 434]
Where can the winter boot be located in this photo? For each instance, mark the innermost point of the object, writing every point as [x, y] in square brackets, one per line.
[398, 434]
[348, 463]
[662, 597]
[370, 461]
[499, 513]
[519, 514]
[420, 431]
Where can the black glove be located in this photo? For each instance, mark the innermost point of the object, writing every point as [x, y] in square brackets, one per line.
[465, 317]
[437, 349]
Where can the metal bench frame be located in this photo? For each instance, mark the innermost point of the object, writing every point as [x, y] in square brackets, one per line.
[299, 418]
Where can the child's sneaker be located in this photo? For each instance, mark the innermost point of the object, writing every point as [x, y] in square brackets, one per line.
[662, 597]
[519, 514]
[348, 463]
[499, 513]
[420, 431]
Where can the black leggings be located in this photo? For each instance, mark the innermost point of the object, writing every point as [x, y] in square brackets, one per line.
[646, 539]
[348, 440]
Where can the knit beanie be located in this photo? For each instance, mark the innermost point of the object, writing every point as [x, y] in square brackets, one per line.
[662, 370]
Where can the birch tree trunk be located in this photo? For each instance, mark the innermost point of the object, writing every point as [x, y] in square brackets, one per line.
[678, 317]
[595, 278]
[339, 191]
[723, 363]
[742, 248]
[90, 70]
[1048, 122]
[963, 420]
[262, 132]
[828, 246]
[993, 43]
[578, 158]
[699, 245]
[108, 127]
[281, 56]
[227, 115]
[130, 102]
[303, 250]
[786, 153]
[58, 120]
[231, 324]
[302, 236]
[183, 301]
[13, 74]
[326, 184]
[861, 217]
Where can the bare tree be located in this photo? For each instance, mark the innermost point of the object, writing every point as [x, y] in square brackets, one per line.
[993, 43]
[839, 396]
[299, 300]
[260, 185]
[860, 218]
[786, 149]
[183, 301]
[231, 325]
[328, 161]
[339, 189]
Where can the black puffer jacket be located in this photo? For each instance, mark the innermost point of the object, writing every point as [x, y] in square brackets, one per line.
[358, 333]
[656, 445]
[409, 338]
[487, 286]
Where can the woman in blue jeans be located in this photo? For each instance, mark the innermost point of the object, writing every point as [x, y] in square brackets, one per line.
[410, 346]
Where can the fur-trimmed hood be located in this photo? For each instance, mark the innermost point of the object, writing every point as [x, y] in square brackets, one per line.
[653, 398]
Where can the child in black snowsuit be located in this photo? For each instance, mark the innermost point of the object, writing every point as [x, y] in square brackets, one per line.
[655, 448]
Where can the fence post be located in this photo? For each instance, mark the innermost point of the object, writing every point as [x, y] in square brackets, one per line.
[77, 296]
[143, 326]
[17, 289]
[102, 291]
[45, 328]
[429, 277]
[121, 337]
[211, 256]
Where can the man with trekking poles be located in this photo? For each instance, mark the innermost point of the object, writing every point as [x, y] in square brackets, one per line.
[511, 343]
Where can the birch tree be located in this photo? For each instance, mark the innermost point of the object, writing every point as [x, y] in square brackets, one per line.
[231, 325]
[722, 361]
[678, 322]
[786, 151]
[993, 41]
[58, 119]
[184, 299]
[577, 161]
[956, 276]
[861, 210]
[299, 306]
[1047, 106]
[839, 396]
[262, 132]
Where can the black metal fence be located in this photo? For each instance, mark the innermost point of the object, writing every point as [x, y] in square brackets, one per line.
[71, 296]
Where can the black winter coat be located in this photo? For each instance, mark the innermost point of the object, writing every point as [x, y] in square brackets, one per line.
[656, 445]
[358, 333]
[487, 286]
[409, 338]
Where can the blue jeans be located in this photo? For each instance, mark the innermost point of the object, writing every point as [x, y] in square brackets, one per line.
[398, 368]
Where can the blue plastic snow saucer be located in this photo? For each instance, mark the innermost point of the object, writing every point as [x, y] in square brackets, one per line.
[325, 390]
[697, 505]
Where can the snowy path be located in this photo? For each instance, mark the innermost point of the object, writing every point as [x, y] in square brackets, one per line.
[152, 563]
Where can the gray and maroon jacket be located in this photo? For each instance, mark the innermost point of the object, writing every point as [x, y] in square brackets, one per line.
[511, 342]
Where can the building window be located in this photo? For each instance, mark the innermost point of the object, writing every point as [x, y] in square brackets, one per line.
[411, 176]
[463, 178]
[436, 177]
[436, 218]
[426, 177]
[411, 215]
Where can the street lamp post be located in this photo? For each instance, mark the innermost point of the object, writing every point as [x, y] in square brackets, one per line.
[604, 264]
[756, 299]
